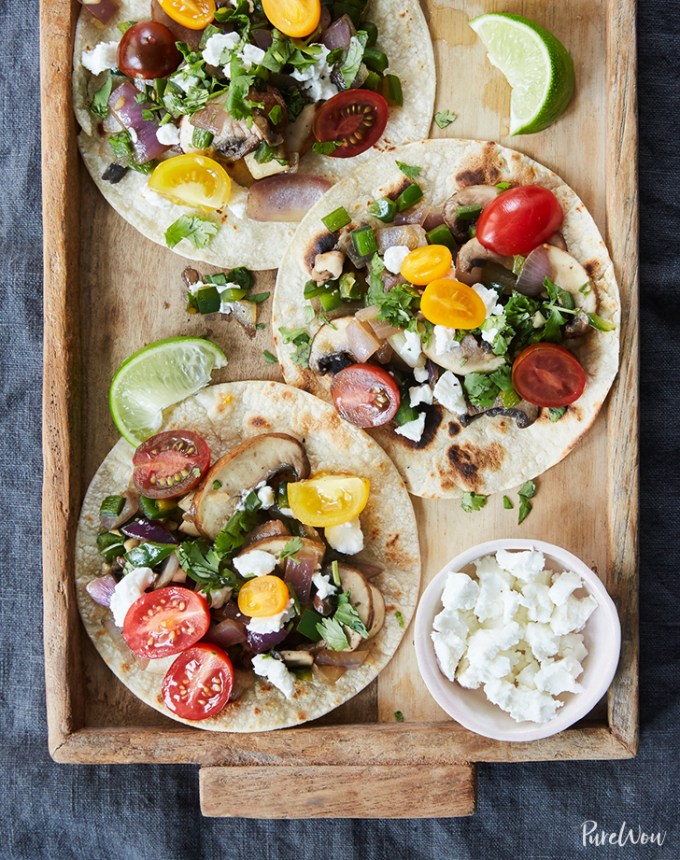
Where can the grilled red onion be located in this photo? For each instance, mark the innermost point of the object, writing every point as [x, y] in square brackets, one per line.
[262, 38]
[434, 218]
[300, 570]
[285, 197]
[259, 643]
[410, 235]
[415, 215]
[344, 659]
[339, 34]
[103, 10]
[325, 19]
[227, 633]
[181, 34]
[101, 589]
[168, 572]
[146, 530]
[271, 528]
[130, 508]
[142, 131]
[534, 272]
[361, 340]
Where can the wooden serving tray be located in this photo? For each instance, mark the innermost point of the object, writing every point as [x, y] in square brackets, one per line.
[108, 291]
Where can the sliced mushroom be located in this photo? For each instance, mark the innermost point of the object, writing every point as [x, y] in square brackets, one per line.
[325, 605]
[360, 594]
[473, 254]
[299, 136]
[255, 460]
[328, 266]
[410, 236]
[275, 544]
[297, 658]
[570, 275]
[577, 326]
[378, 611]
[330, 348]
[470, 357]
[524, 413]
[472, 195]
[269, 529]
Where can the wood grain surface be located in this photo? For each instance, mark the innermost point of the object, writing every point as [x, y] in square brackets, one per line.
[109, 291]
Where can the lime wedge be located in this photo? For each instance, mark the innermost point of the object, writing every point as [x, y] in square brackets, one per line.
[537, 66]
[157, 376]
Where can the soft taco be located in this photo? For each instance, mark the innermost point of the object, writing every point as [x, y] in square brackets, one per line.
[206, 588]
[216, 140]
[455, 298]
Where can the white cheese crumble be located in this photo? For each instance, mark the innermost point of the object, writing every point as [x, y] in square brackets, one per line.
[513, 631]
[101, 57]
[444, 340]
[168, 134]
[346, 538]
[490, 299]
[324, 586]
[275, 672]
[420, 394]
[252, 56]
[421, 374]
[272, 623]
[219, 47]
[394, 256]
[412, 430]
[316, 78]
[257, 562]
[266, 496]
[130, 588]
[409, 347]
[449, 392]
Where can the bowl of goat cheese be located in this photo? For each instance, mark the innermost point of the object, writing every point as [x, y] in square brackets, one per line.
[517, 639]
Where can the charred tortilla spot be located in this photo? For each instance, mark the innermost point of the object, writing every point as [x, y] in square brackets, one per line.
[319, 244]
[591, 267]
[258, 421]
[467, 462]
[433, 418]
[257, 711]
[391, 542]
[454, 428]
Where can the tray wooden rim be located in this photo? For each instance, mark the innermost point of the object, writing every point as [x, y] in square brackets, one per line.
[386, 744]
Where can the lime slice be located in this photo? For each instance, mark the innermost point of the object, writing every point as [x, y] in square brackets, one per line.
[537, 66]
[157, 376]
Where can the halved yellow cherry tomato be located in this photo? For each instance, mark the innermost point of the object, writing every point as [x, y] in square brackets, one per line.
[328, 500]
[263, 596]
[293, 17]
[192, 14]
[452, 304]
[424, 265]
[192, 180]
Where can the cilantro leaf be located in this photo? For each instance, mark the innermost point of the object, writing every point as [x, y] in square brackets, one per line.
[290, 548]
[481, 390]
[556, 412]
[409, 170]
[346, 614]
[444, 118]
[398, 716]
[527, 491]
[473, 502]
[199, 231]
[269, 357]
[202, 564]
[399, 305]
[100, 100]
[333, 634]
[507, 503]
[355, 54]
[302, 341]
[503, 379]
[325, 147]
[233, 535]
[400, 619]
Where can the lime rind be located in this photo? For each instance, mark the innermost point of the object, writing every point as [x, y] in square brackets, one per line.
[156, 377]
[535, 63]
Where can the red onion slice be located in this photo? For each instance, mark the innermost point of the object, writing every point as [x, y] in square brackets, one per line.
[325, 19]
[339, 34]
[260, 643]
[101, 589]
[142, 131]
[534, 272]
[435, 217]
[103, 10]
[285, 197]
[130, 508]
[262, 38]
[300, 570]
[361, 340]
[227, 633]
[146, 530]
[168, 571]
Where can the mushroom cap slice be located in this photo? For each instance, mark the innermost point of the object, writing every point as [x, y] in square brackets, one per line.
[378, 611]
[243, 468]
[360, 594]
[470, 357]
[570, 275]
[330, 351]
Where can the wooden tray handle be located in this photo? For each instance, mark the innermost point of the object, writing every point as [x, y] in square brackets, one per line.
[320, 791]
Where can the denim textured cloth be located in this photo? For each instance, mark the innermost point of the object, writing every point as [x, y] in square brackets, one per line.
[151, 812]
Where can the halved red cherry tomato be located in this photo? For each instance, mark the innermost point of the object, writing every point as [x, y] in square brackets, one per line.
[166, 621]
[199, 682]
[519, 220]
[147, 50]
[548, 375]
[170, 464]
[365, 395]
[354, 119]
[293, 17]
[192, 14]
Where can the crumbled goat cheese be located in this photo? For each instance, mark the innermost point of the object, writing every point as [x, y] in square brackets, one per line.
[252, 56]
[409, 347]
[238, 201]
[445, 340]
[413, 430]
[449, 392]
[420, 394]
[257, 562]
[219, 47]
[512, 631]
[490, 299]
[101, 57]
[346, 538]
[130, 588]
[266, 496]
[394, 256]
[324, 586]
[275, 672]
[421, 374]
[168, 134]
[316, 78]
[272, 623]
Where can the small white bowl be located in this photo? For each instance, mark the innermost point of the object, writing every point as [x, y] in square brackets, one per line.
[471, 708]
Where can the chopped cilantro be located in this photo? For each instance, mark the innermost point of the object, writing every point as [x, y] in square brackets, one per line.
[216, 485]
[400, 619]
[275, 114]
[258, 298]
[507, 503]
[409, 170]
[290, 548]
[266, 153]
[346, 614]
[473, 502]
[202, 564]
[481, 390]
[333, 634]
[300, 338]
[503, 186]
[233, 535]
[124, 26]
[325, 147]
[399, 305]
[269, 357]
[444, 118]
[199, 231]
[100, 100]
[398, 716]
[527, 491]
[556, 412]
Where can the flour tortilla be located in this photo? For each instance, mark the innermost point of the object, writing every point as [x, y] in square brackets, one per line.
[491, 454]
[225, 415]
[404, 37]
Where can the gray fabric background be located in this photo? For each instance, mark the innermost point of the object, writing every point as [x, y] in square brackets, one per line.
[151, 812]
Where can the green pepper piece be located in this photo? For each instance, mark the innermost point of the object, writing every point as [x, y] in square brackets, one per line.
[373, 82]
[112, 506]
[441, 235]
[307, 624]
[391, 90]
[468, 213]
[375, 59]
[329, 301]
[110, 545]
[337, 219]
[207, 300]
[364, 241]
[150, 508]
[371, 31]
[409, 196]
[383, 209]
[233, 294]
